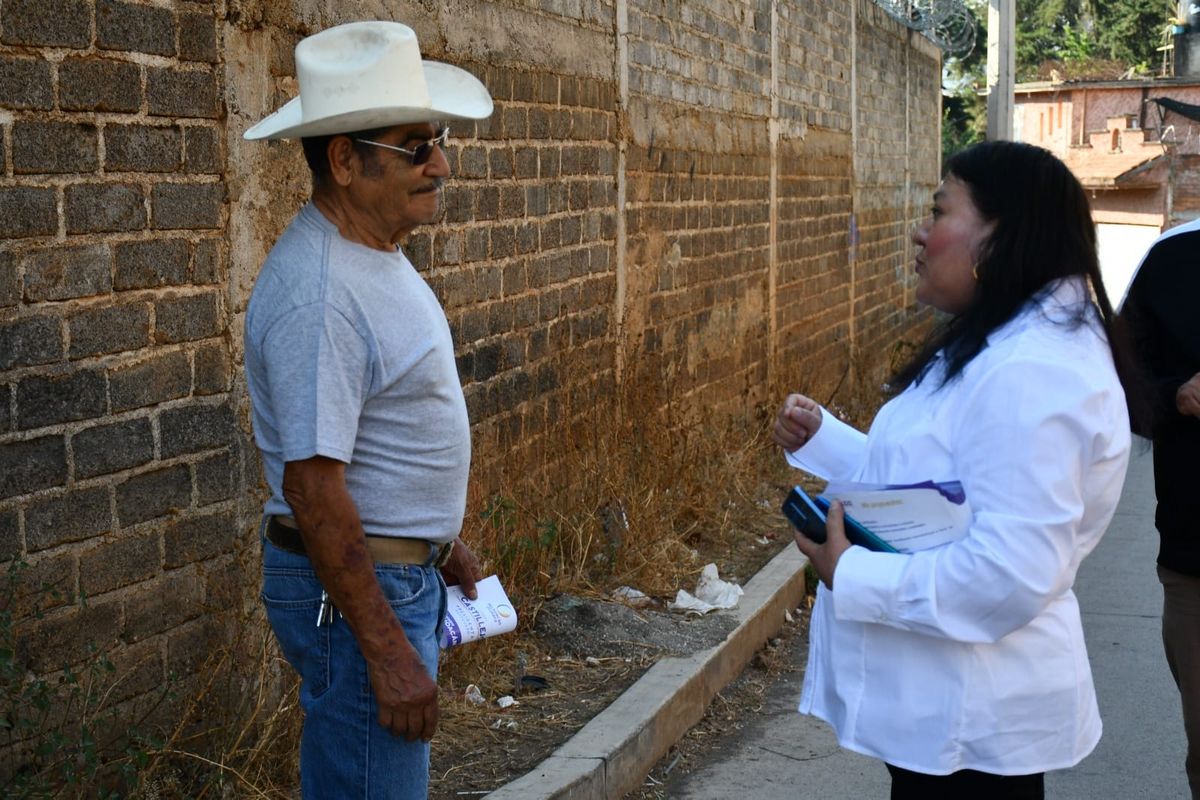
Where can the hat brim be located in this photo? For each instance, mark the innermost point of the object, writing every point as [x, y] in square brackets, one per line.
[454, 94]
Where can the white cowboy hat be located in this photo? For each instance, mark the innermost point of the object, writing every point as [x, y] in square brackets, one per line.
[366, 75]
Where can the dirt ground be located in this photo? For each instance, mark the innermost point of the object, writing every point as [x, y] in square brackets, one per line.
[575, 658]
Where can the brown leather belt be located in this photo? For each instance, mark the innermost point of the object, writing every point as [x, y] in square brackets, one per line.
[283, 533]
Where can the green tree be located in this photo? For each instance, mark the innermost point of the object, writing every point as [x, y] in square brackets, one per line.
[1073, 38]
[1130, 31]
[964, 122]
[964, 108]
[1089, 38]
[1051, 30]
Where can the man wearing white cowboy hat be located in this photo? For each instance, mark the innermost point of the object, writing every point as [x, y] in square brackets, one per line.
[358, 410]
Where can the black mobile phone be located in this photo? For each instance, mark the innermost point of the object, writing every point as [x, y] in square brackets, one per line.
[804, 515]
[808, 516]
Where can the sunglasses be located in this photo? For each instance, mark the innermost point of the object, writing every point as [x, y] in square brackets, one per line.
[421, 153]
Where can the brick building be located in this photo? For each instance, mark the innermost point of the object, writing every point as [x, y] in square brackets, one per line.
[1140, 160]
[718, 189]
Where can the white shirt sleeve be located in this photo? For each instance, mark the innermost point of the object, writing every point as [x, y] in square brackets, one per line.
[836, 450]
[1034, 437]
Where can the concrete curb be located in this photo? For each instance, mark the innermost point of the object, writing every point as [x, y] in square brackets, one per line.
[612, 754]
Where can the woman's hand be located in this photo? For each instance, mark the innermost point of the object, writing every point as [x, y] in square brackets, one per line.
[797, 422]
[825, 557]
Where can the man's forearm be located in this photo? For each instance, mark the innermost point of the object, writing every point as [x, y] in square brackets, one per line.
[333, 538]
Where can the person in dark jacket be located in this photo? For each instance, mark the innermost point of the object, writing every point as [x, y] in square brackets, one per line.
[1161, 310]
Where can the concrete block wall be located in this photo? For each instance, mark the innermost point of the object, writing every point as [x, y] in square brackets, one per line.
[523, 261]
[1186, 201]
[120, 443]
[897, 151]
[697, 180]
[815, 198]
[716, 192]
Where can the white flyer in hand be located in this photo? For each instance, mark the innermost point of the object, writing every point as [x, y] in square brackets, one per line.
[909, 517]
[467, 620]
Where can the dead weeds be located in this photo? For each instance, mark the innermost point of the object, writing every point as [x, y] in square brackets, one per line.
[624, 489]
[480, 748]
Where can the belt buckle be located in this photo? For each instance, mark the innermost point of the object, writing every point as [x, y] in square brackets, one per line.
[442, 554]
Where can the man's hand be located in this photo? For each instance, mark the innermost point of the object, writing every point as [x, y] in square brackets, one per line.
[1187, 399]
[825, 557]
[797, 421]
[407, 696]
[315, 488]
[408, 699]
[462, 569]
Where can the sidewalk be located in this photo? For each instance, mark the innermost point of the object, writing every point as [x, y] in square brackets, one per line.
[1140, 755]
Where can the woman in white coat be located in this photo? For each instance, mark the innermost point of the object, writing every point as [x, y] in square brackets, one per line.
[963, 666]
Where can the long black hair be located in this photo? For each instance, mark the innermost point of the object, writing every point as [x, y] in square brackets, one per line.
[1042, 231]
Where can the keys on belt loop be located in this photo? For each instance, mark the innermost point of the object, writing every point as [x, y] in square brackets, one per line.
[325, 610]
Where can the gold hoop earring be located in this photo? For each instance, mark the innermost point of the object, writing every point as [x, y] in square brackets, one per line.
[975, 271]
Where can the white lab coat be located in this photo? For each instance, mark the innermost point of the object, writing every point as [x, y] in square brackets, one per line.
[971, 655]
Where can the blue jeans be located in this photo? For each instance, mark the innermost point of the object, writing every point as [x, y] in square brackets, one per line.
[344, 751]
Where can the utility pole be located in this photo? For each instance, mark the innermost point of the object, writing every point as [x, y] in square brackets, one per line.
[1001, 67]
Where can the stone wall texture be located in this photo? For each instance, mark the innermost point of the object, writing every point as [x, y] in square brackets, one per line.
[720, 190]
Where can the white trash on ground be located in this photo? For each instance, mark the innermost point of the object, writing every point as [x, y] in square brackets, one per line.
[474, 696]
[632, 597]
[711, 593]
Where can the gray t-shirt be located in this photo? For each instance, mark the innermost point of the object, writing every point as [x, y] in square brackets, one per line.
[349, 356]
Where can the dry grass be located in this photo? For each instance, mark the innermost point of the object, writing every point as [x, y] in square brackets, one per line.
[632, 493]
[630, 490]
[619, 494]
[480, 747]
[238, 734]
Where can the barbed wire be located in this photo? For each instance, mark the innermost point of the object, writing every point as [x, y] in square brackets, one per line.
[947, 23]
[955, 34]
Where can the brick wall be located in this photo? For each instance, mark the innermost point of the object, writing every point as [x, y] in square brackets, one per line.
[1110, 101]
[1186, 200]
[718, 192]
[696, 187]
[523, 262]
[815, 198]
[120, 448]
[896, 153]
[1061, 116]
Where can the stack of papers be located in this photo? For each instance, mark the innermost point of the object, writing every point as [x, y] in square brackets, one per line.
[909, 517]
